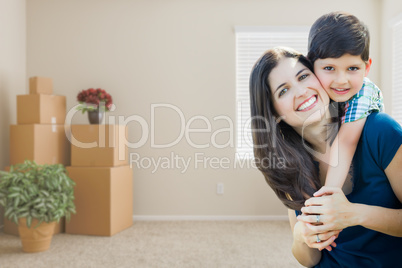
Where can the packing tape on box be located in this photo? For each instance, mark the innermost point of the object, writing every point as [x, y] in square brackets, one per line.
[54, 128]
[53, 120]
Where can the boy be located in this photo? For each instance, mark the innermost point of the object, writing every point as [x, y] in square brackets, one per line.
[339, 50]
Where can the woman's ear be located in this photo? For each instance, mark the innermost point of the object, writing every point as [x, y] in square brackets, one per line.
[368, 65]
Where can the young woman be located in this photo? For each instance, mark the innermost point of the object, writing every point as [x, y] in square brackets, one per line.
[293, 120]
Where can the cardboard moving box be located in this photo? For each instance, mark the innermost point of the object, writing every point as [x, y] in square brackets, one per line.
[44, 144]
[41, 109]
[98, 145]
[40, 85]
[103, 200]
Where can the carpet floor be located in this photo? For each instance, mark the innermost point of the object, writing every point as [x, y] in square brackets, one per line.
[164, 244]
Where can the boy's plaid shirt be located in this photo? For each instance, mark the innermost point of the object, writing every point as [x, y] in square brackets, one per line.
[366, 101]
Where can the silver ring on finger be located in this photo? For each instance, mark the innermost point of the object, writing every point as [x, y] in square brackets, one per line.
[317, 218]
[318, 239]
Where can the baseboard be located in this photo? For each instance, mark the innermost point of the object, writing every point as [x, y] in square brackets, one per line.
[208, 218]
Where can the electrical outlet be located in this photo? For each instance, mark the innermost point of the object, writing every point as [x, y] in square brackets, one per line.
[219, 188]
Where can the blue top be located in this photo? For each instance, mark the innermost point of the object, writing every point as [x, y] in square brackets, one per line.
[358, 246]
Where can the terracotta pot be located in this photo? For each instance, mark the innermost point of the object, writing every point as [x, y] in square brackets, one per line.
[35, 239]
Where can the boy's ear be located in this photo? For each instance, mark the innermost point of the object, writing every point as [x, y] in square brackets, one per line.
[368, 65]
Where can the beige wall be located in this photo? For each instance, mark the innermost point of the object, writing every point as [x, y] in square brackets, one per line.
[390, 11]
[178, 52]
[12, 69]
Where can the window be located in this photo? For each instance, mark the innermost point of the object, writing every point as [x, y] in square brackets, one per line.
[251, 42]
[396, 71]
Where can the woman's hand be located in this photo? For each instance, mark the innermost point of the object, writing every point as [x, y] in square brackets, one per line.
[334, 210]
[314, 240]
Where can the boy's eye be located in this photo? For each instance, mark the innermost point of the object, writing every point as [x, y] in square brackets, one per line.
[353, 68]
[283, 91]
[328, 68]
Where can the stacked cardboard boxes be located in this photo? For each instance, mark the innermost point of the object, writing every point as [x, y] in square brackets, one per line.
[39, 134]
[104, 182]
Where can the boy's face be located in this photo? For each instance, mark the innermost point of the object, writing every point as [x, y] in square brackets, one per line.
[342, 77]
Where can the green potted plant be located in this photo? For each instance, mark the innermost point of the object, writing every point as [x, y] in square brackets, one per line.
[35, 197]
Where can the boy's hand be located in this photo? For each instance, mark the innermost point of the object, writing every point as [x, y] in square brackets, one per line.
[323, 191]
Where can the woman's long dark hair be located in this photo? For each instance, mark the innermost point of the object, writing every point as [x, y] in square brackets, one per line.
[297, 178]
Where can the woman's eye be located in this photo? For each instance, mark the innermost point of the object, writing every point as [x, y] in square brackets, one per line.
[303, 76]
[328, 68]
[283, 91]
[353, 68]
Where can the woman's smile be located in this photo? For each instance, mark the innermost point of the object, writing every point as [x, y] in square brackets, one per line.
[308, 104]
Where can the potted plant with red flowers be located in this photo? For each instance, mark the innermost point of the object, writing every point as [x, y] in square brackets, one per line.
[96, 102]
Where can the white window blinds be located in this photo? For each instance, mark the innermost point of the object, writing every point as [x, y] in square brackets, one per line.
[397, 72]
[251, 42]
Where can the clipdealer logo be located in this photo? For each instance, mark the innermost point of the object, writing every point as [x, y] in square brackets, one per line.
[180, 162]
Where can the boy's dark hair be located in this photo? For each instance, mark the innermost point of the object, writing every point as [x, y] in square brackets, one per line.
[338, 33]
